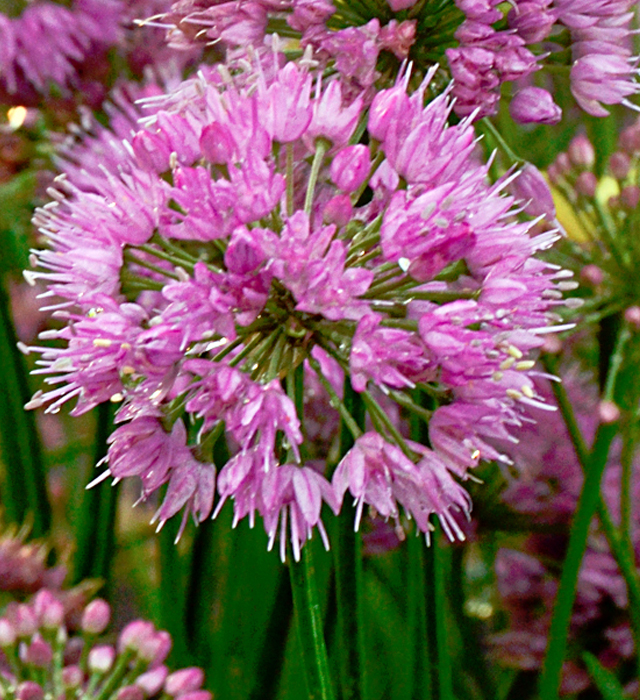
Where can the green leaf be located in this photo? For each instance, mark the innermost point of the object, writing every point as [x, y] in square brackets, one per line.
[606, 682]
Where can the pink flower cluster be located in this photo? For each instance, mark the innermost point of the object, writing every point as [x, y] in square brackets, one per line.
[246, 239]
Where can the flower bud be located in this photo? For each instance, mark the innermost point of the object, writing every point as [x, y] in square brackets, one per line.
[39, 653]
[29, 691]
[157, 648]
[632, 316]
[101, 658]
[534, 105]
[532, 189]
[350, 167]
[586, 184]
[184, 681]
[630, 139]
[151, 151]
[72, 677]
[95, 617]
[581, 152]
[217, 143]
[48, 609]
[152, 681]
[130, 692]
[338, 210]
[397, 5]
[630, 196]
[619, 164]
[608, 412]
[7, 634]
[134, 634]
[196, 695]
[592, 275]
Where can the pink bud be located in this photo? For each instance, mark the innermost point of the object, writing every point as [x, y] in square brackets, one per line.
[134, 634]
[130, 692]
[152, 681]
[592, 274]
[608, 412]
[632, 316]
[217, 143]
[196, 695]
[586, 184]
[630, 196]
[338, 210]
[532, 190]
[157, 649]
[384, 110]
[630, 139]
[25, 622]
[29, 691]
[7, 634]
[152, 152]
[350, 167]
[48, 609]
[184, 681]
[534, 105]
[397, 5]
[101, 658]
[581, 152]
[619, 164]
[95, 617]
[39, 653]
[72, 676]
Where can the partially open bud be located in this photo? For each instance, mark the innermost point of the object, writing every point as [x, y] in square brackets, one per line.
[534, 105]
[95, 617]
[184, 681]
[532, 189]
[101, 658]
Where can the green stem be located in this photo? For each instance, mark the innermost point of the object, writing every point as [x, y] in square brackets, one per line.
[24, 491]
[289, 178]
[347, 553]
[310, 634]
[321, 148]
[586, 508]
[95, 525]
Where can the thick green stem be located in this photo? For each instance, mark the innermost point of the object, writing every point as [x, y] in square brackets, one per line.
[310, 633]
[347, 553]
[24, 491]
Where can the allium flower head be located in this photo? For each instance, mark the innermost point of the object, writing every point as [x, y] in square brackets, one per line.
[41, 658]
[269, 255]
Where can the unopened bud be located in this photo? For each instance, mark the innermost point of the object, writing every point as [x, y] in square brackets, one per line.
[39, 653]
[608, 412]
[134, 634]
[48, 609]
[350, 167]
[586, 184]
[338, 210]
[630, 139]
[72, 676]
[592, 275]
[397, 5]
[632, 316]
[101, 658]
[130, 692]
[184, 681]
[95, 617]
[534, 105]
[532, 189]
[630, 197]
[619, 164]
[29, 691]
[196, 695]
[152, 681]
[25, 621]
[581, 152]
[7, 634]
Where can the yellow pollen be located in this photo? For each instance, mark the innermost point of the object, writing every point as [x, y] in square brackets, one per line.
[125, 346]
[475, 454]
[514, 352]
[525, 364]
[127, 369]
[514, 394]
[116, 398]
[102, 342]
[497, 376]
[527, 391]
[508, 363]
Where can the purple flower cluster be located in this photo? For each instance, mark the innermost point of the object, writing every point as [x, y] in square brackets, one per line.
[247, 239]
[40, 658]
[603, 69]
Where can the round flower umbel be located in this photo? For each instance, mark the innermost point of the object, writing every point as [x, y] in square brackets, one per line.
[281, 237]
[41, 658]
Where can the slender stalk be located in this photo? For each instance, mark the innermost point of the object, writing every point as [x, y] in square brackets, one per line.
[24, 490]
[289, 178]
[95, 525]
[321, 148]
[586, 508]
[347, 553]
[310, 633]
